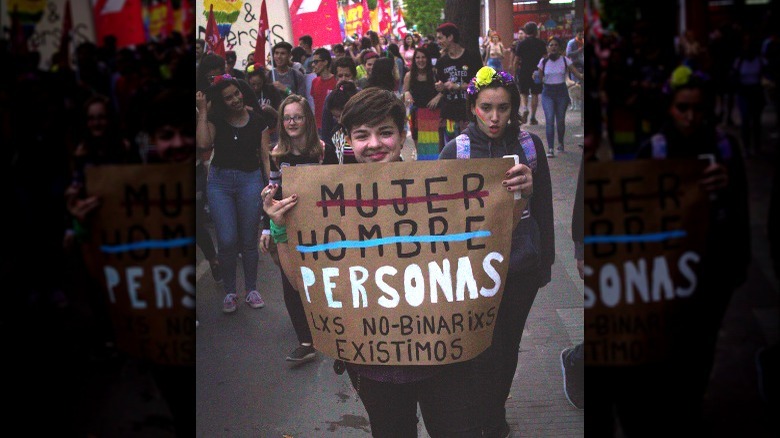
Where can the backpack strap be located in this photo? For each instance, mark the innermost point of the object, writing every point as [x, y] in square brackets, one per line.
[462, 147]
[658, 144]
[724, 145]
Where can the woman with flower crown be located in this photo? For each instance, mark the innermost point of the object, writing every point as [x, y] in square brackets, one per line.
[494, 101]
[238, 172]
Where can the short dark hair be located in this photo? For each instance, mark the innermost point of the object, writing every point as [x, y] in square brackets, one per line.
[282, 45]
[448, 29]
[324, 55]
[298, 54]
[371, 106]
[366, 55]
[341, 93]
[169, 107]
[530, 28]
[338, 48]
[230, 55]
[306, 39]
[345, 61]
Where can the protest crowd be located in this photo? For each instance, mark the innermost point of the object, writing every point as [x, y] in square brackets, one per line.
[353, 103]
[382, 99]
[710, 92]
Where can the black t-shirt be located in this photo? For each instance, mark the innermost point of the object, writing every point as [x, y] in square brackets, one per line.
[453, 104]
[422, 92]
[238, 148]
[289, 160]
[530, 51]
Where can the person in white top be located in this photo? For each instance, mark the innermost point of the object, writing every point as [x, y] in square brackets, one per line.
[555, 94]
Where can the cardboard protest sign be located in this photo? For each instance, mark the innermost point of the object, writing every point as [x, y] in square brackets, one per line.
[645, 227]
[238, 22]
[401, 263]
[142, 244]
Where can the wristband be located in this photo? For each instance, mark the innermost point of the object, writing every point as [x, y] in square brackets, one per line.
[266, 232]
[288, 91]
[278, 233]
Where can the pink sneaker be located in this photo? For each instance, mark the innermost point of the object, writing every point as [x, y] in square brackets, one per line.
[254, 300]
[229, 303]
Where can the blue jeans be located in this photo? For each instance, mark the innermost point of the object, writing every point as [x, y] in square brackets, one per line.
[234, 203]
[555, 102]
[495, 63]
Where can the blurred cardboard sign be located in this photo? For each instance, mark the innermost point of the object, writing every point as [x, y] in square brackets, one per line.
[142, 246]
[402, 263]
[646, 223]
[238, 22]
[43, 25]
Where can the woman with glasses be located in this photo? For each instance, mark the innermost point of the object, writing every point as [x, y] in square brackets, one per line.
[298, 145]
[239, 140]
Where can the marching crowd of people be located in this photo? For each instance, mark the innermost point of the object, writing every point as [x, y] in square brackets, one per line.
[353, 103]
[332, 106]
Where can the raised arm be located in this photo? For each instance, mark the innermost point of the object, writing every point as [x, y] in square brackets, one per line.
[205, 130]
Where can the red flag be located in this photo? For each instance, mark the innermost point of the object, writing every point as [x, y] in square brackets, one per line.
[261, 35]
[400, 24]
[385, 25]
[168, 18]
[67, 27]
[214, 42]
[366, 18]
[122, 19]
[18, 40]
[320, 20]
[188, 17]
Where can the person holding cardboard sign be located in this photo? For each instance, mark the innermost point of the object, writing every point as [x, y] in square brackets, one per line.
[298, 145]
[494, 102]
[240, 139]
[639, 393]
[374, 121]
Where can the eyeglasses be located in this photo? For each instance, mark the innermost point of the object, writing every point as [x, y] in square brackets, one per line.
[314, 61]
[296, 119]
[685, 107]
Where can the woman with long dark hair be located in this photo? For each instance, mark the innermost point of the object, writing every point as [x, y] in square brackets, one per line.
[384, 75]
[422, 99]
[240, 141]
[408, 50]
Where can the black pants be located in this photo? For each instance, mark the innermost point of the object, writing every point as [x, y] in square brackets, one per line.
[446, 402]
[495, 368]
[663, 398]
[292, 300]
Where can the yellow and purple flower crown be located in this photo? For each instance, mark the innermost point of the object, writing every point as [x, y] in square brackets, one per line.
[485, 76]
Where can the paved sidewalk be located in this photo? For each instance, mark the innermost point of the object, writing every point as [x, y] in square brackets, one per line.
[537, 406]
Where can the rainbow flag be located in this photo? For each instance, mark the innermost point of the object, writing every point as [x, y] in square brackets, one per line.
[427, 134]
[225, 12]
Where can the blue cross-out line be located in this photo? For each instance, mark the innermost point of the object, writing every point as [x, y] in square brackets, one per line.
[628, 238]
[391, 240]
[148, 244]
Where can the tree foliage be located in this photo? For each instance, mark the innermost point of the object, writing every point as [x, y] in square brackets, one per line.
[426, 14]
[465, 15]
